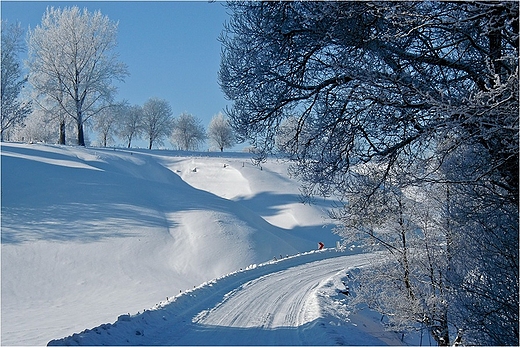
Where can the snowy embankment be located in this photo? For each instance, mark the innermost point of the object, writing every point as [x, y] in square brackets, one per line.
[90, 234]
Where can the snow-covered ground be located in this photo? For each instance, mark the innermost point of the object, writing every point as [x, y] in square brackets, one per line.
[89, 235]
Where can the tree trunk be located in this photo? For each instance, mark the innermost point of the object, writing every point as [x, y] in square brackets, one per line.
[81, 136]
[150, 146]
[79, 112]
[441, 333]
[406, 275]
[61, 139]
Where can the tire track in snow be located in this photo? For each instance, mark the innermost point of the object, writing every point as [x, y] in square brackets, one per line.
[282, 299]
[287, 298]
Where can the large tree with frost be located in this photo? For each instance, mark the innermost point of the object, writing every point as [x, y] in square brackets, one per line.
[72, 62]
[380, 104]
[14, 110]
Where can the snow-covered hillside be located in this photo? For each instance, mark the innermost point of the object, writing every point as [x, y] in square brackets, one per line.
[91, 234]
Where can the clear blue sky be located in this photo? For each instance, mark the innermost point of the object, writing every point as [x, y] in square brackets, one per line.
[171, 48]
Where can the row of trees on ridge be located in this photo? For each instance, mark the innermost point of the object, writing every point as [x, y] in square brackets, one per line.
[154, 122]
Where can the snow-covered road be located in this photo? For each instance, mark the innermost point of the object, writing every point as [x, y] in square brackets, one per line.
[280, 303]
[284, 298]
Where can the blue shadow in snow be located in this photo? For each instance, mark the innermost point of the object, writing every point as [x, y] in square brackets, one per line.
[46, 201]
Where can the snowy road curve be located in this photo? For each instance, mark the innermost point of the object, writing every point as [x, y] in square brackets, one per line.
[274, 304]
[285, 298]
[283, 303]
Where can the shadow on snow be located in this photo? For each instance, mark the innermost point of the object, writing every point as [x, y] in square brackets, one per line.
[53, 196]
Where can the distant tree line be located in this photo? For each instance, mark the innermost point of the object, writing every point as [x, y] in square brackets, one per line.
[72, 65]
[154, 122]
[125, 124]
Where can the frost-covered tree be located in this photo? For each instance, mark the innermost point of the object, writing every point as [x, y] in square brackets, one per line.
[408, 227]
[286, 140]
[188, 132]
[72, 62]
[220, 132]
[130, 123]
[373, 79]
[41, 125]
[413, 91]
[484, 273]
[157, 120]
[13, 109]
[106, 122]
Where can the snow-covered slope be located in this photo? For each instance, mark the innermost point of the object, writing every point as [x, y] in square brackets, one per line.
[90, 234]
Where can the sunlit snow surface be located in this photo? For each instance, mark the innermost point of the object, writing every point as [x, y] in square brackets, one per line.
[89, 235]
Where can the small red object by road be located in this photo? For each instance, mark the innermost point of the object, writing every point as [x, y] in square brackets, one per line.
[320, 245]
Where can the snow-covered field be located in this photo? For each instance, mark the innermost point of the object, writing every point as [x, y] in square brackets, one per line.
[90, 235]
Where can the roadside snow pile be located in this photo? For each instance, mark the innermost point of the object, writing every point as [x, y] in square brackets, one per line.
[89, 234]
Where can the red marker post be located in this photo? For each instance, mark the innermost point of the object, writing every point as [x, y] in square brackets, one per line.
[321, 245]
